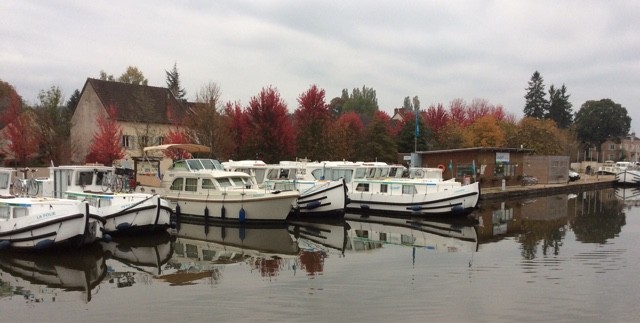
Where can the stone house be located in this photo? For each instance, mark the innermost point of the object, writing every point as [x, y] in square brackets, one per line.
[627, 150]
[145, 114]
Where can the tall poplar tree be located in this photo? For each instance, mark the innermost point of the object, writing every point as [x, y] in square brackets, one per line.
[536, 105]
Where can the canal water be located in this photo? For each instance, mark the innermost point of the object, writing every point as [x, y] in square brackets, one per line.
[569, 257]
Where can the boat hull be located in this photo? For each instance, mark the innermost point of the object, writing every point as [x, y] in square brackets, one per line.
[459, 200]
[628, 178]
[52, 225]
[324, 199]
[130, 213]
[248, 208]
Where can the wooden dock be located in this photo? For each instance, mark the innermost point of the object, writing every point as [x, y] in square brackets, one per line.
[587, 183]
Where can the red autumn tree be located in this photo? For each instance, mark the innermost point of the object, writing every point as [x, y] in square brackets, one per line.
[272, 136]
[237, 125]
[436, 117]
[105, 146]
[20, 131]
[176, 136]
[458, 113]
[312, 120]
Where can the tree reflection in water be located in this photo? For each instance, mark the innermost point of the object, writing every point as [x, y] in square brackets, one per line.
[600, 217]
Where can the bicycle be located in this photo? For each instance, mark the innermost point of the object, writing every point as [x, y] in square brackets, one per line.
[118, 181]
[26, 185]
[113, 183]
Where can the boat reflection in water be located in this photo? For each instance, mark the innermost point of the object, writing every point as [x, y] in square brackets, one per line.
[136, 258]
[630, 196]
[440, 234]
[53, 276]
[202, 251]
[317, 241]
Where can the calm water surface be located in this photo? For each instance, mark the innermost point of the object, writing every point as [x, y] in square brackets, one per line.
[566, 257]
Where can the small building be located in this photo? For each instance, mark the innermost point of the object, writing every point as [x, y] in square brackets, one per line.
[547, 169]
[488, 165]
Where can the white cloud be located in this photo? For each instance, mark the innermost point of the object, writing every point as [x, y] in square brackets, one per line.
[437, 50]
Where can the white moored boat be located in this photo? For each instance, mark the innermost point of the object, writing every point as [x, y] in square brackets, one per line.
[122, 212]
[42, 223]
[378, 187]
[201, 188]
[322, 198]
[627, 173]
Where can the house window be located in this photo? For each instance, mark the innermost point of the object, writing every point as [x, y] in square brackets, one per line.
[612, 146]
[127, 141]
[160, 140]
[144, 141]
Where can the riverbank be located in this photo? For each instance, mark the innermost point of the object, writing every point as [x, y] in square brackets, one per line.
[587, 183]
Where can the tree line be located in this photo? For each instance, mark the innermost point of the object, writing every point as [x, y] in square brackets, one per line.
[349, 127]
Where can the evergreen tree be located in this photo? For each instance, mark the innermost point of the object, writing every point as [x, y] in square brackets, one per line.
[560, 107]
[536, 105]
[173, 83]
[73, 101]
[377, 144]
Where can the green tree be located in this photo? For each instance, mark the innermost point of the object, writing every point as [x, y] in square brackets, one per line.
[54, 127]
[377, 144]
[335, 107]
[73, 101]
[312, 119]
[133, 76]
[543, 136]
[560, 107]
[597, 121]
[173, 83]
[536, 105]
[361, 101]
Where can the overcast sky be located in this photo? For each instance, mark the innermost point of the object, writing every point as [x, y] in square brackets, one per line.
[436, 50]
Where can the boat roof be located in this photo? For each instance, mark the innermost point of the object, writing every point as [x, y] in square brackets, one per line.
[191, 148]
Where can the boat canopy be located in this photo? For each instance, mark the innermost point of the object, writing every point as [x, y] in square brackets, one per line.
[191, 148]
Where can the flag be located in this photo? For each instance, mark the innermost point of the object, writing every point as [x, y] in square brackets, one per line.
[473, 167]
[417, 124]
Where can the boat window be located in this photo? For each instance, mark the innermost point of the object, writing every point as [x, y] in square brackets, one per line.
[191, 185]
[238, 181]
[19, 212]
[194, 164]
[273, 174]
[4, 180]
[224, 182]
[259, 174]
[207, 184]
[362, 187]
[180, 164]
[100, 175]
[177, 184]
[5, 211]
[84, 178]
[408, 189]
[360, 173]
[384, 188]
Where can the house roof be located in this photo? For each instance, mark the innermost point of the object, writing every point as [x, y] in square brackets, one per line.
[139, 103]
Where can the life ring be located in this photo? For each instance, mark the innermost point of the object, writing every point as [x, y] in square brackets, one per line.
[441, 167]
